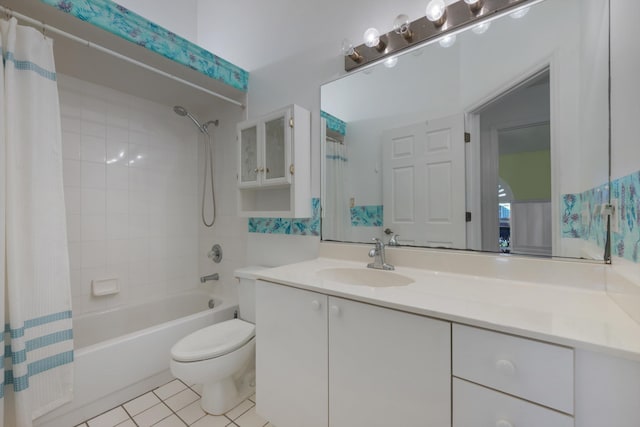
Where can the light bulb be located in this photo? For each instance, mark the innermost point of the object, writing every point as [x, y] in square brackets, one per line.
[520, 13]
[436, 12]
[401, 25]
[371, 37]
[448, 41]
[348, 50]
[481, 28]
[474, 5]
[391, 62]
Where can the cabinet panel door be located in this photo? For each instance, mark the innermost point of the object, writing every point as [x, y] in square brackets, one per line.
[248, 156]
[291, 356]
[474, 405]
[387, 368]
[277, 148]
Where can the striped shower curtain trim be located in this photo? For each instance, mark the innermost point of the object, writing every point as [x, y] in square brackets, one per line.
[36, 334]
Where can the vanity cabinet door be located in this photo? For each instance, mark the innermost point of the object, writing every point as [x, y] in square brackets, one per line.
[387, 368]
[291, 356]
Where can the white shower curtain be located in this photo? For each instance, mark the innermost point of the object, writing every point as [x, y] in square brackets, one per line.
[337, 216]
[35, 263]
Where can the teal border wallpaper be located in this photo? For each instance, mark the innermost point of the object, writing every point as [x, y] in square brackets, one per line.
[118, 20]
[367, 216]
[292, 226]
[582, 217]
[334, 123]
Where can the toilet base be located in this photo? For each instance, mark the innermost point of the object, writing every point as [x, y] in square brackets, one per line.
[222, 396]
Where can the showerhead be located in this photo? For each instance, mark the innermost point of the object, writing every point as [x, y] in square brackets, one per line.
[180, 110]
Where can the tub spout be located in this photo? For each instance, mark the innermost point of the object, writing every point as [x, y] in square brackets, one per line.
[213, 276]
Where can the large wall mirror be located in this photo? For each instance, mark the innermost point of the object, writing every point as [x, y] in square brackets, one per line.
[493, 140]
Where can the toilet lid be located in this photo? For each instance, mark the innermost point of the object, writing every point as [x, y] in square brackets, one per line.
[213, 341]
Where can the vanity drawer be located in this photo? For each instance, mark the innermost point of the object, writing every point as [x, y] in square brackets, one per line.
[536, 371]
[474, 406]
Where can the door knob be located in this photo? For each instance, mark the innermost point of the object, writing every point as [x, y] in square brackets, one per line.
[503, 423]
[506, 367]
[315, 304]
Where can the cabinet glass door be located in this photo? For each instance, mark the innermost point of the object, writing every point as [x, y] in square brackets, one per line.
[249, 156]
[277, 148]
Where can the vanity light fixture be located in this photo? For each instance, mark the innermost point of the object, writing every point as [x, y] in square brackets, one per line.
[443, 19]
[402, 26]
[350, 51]
[447, 41]
[475, 6]
[372, 39]
[436, 12]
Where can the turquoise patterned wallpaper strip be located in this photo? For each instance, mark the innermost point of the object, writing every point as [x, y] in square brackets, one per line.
[582, 217]
[334, 123]
[367, 216]
[120, 21]
[625, 243]
[293, 226]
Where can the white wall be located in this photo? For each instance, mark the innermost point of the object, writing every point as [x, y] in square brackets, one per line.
[180, 17]
[132, 221]
[625, 88]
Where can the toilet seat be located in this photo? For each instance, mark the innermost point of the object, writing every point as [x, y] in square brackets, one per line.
[213, 341]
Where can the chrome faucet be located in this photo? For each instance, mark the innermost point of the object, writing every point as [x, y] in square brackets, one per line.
[393, 241]
[213, 276]
[377, 253]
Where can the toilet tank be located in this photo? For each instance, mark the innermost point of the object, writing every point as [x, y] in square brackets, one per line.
[247, 292]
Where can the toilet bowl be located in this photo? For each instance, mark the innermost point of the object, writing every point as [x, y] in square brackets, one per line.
[221, 357]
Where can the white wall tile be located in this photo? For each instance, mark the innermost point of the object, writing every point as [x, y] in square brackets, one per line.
[93, 175]
[117, 176]
[93, 227]
[93, 149]
[93, 201]
[117, 212]
[72, 200]
[71, 145]
[71, 173]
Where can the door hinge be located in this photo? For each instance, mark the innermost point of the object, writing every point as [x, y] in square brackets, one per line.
[467, 137]
[467, 216]
[292, 169]
[291, 122]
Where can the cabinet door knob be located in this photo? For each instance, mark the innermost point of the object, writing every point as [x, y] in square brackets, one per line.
[503, 423]
[506, 367]
[315, 304]
[335, 310]
[256, 170]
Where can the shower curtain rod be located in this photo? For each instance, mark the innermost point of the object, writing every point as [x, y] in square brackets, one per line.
[47, 28]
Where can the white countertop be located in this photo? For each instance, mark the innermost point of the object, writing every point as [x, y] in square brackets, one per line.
[571, 316]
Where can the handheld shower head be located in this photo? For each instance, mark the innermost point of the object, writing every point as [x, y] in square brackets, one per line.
[182, 112]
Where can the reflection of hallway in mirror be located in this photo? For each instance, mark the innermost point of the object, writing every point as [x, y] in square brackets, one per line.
[515, 148]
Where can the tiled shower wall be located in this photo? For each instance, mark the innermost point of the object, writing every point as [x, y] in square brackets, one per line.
[130, 181]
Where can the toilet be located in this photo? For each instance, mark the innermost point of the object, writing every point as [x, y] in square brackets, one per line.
[221, 357]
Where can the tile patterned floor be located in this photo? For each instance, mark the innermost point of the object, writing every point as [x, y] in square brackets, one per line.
[176, 404]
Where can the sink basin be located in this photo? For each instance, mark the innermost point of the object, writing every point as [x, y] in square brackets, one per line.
[365, 277]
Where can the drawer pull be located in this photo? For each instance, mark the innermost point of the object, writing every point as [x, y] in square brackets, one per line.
[315, 305]
[335, 310]
[505, 367]
[503, 423]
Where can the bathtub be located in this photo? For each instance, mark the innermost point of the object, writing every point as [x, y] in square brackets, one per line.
[123, 352]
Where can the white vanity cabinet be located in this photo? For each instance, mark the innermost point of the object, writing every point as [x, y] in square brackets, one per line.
[274, 164]
[326, 361]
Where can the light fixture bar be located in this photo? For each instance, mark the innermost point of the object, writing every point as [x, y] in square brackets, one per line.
[458, 16]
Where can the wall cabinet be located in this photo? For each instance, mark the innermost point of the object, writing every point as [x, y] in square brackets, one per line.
[325, 361]
[274, 164]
